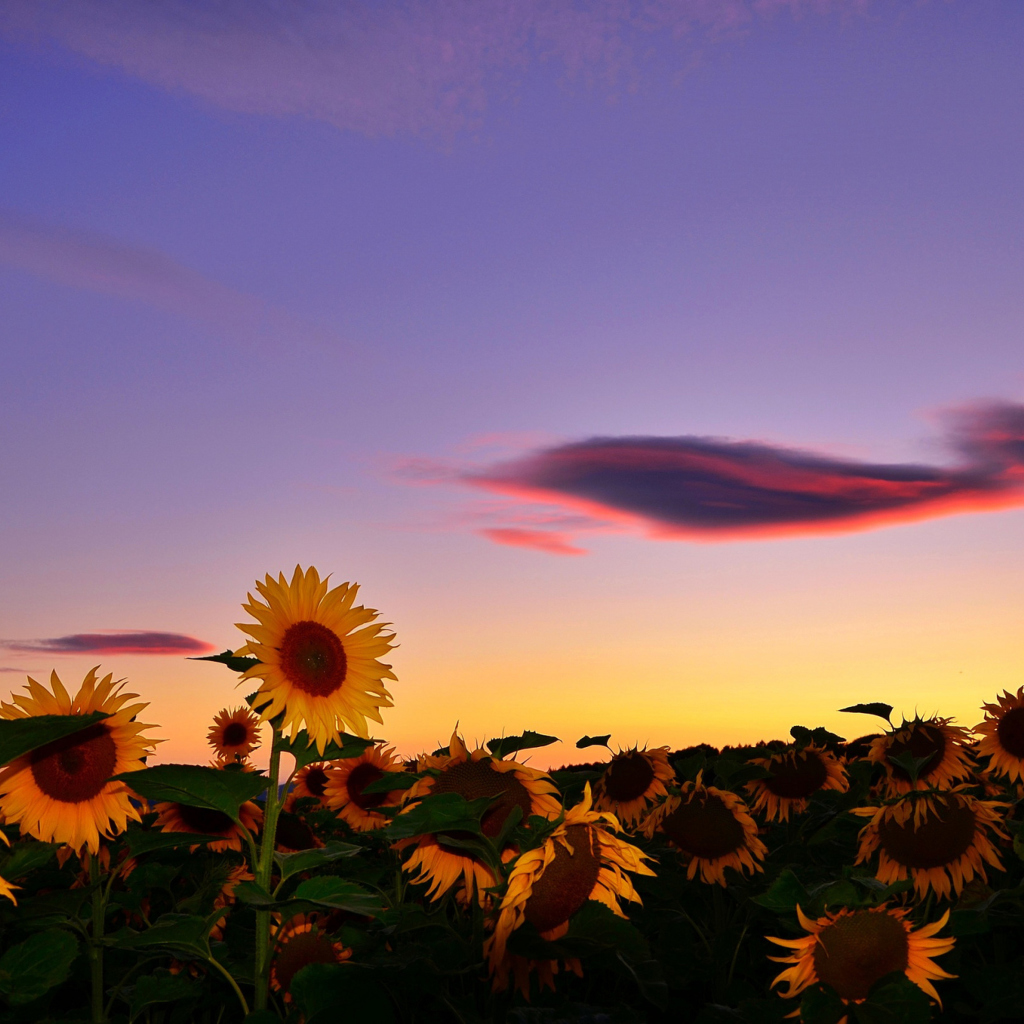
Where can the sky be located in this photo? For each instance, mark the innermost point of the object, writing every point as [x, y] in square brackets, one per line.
[656, 368]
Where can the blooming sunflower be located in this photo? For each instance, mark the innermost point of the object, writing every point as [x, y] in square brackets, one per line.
[205, 821]
[311, 781]
[1002, 735]
[474, 775]
[581, 860]
[345, 784]
[945, 745]
[850, 950]
[633, 780]
[61, 792]
[299, 942]
[318, 656]
[235, 733]
[941, 840]
[794, 776]
[712, 827]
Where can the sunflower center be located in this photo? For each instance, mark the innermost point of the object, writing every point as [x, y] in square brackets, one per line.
[204, 821]
[704, 827]
[627, 778]
[856, 951]
[294, 833]
[358, 779]
[474, 780]
[74, 769]
[797, 776]
[313, 658]
[940, 839]
[312, 947]
[923, 741]
[566, 883]
[235, 734]
[1010, 732]
[316, 781]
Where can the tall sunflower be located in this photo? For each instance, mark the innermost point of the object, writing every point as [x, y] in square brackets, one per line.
[235, 733]
[205, 821]
[62, 792]
[346, 781]
[311, 782]
[581, 860]
[793, 777]
[474, 775]
[850, 950]
[633, 780]
[941, 840]
[1002, 735]
[299, 942]
[318, 656]
[711, 827]
[945, 746]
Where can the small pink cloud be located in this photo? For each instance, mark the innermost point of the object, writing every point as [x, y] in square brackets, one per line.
[549, 542]
[130, 642]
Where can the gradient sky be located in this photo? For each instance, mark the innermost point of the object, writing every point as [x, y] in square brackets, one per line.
[346, 284]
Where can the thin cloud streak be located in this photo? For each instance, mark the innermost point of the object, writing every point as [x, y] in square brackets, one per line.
[129, 642]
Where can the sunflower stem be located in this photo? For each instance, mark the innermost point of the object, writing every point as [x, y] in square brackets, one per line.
[264, 870]
[99, 907]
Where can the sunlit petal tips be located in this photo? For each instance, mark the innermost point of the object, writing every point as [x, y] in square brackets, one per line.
[940, 746]
[1002, 735]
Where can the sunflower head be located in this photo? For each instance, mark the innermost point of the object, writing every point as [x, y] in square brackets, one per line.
[346, 784]
[235, 733]
[793, 777]
[318, 656]
[940, 748]
[299, 942]
[204, 821]
[633, 780]
[1002, 735]
[311, 782]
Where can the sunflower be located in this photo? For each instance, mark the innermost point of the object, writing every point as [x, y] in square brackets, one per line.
[235, 733]
[793, 777]
[712, 827]
[61, 792]
[299, 942]
[313, 669]
[1002, 735]
[205, 821]
[941, 840]
[633, 780]
[293, 834]
[945, 745]
[311, 781]
[345, 784]
[581, 860]
[850, 950]
[475, 775]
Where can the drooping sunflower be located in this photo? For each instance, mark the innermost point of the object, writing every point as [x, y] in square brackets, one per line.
[61, 792]
[318, 656]
[205, 821]
[294, 835]
[941, 840]
[633, 780]
[850, 950]
[235, 733]
[945, 745]
[299, 942]
[1002, 735]
[347, 780]
[311, 781]
[581, 860]
[794, 776]
[711, 827]
[474, 775]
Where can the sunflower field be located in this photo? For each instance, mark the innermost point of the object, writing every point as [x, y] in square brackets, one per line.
[871, 881]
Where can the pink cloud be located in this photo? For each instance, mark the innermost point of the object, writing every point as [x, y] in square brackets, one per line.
[549, 542]
[131, 642]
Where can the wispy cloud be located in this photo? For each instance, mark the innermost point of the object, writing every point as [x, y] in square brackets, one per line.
[416, 66]
[706, 489]
[17, 671]
[129, 642]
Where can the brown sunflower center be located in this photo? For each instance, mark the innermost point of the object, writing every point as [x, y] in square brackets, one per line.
[944, 836]
[858, 950]
[204, 821]
[1010, 732]
[316, 781]
[474, 780]
[298, 951]
[627, 778]
[704, 827]
[235, 734]
[74, 769]
[797, 775]
[358, 779]
[922, 741]
[294, 833]
[313, 658]
[566, 883]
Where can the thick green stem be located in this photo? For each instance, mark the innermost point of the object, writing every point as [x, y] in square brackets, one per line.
[99, 906]
[264, 870]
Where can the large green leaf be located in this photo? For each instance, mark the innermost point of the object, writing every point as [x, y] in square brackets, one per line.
[31, 968]
[391, 781]
[440, 812]
[784, 894]
[197, 786]
[319, 990]
[306, 860]
[25, 857]
[302, 748]
[320, 891]
[21, 735]
[183, 933]
[141, 840]
[527, 741]
[894, 1000]
[160, 987]
[822, 1005]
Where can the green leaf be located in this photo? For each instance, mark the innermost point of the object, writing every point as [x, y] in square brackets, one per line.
[391, 781]
[895, 999]
[440, 812]
[820, 736]
[183, 933]
[305, 860]
[338, 894]
[236, 664]
[881, 710]
[140, 840]
[159, 987]
[593, 741]
[302, 748]
[320, 989]
[25, 857]
[1018, 845]
[197, 786]
[910, 764]
[822, 1005]
[20, 736]
[31, 968]
[688, 768]
[527, 741]
[784, 894]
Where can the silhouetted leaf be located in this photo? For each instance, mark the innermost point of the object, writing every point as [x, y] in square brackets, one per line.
[338, 894]
[784, 894]
[20, 736]
[391, 781]
[895, 999]
[527, 741]
[880, 710]
[197, 786]
[33, 967]
[305, 860]
[233, 662]
[593, 741]
[440, 812]
[302, 748]
[184, 933]
[822, 1005]
[141, 840]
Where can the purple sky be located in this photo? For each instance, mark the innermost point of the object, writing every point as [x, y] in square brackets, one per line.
[258, 260]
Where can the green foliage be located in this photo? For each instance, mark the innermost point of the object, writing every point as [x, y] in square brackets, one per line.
[197, 786]
[233, 662]
[390, 782]
[593, 741]
[305, 752]
[320, 989]
[308, 860]
[33, 967]
[159, 987]
[19, 736]
[527, 741]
